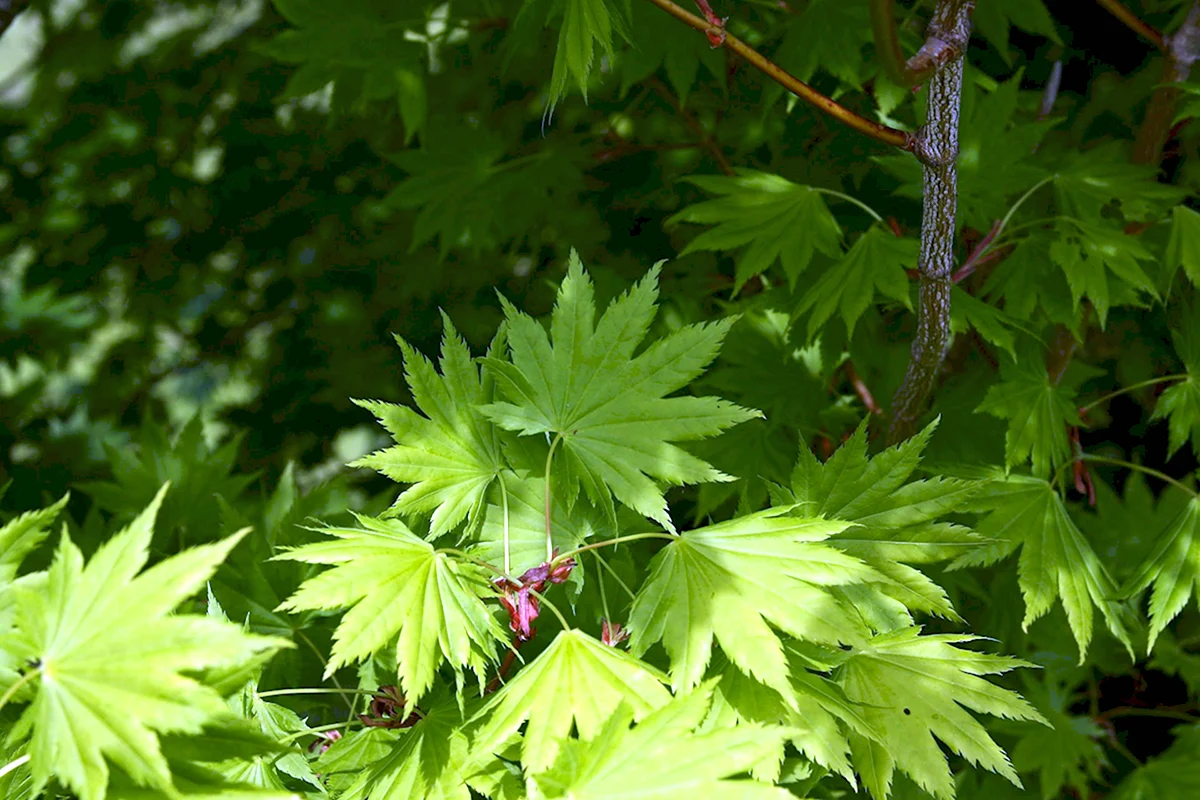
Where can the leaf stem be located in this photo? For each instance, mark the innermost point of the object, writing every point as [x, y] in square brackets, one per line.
[333, 726]
[1163, 713]
[507, 543]
[1162, 476]
[603, 594]
[324, 663]
[312, 690]
[615, 576]
[1132, 388]
[549, 534]
[882, 133]
[542, 598]
[14, 764]
[16, 687]
[607, 542]
[849, 199]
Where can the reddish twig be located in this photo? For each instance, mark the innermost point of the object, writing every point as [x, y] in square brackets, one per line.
[1134, 22]
[860, 389]
[882, 133]
[505, 666]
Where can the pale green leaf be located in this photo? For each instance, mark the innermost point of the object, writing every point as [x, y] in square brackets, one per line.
[732, 581]
[663, 758]
[397, 587]
[452, 454]
[20, 536]
[914, 688]
[576, 681]
[1183, 248]
[1173, 568]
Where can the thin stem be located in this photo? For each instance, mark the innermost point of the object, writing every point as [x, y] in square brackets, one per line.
[324, 663]
[1132, 388]
[333, 726]
[882, 133]
[1124, 751]
[603, 594]
[16, 687]
[1134, 23]
[507, 543]
[618, 540]
[16, 763]
[452, 551]
[615, 576]
[542, 598]
[1163, 713]
[707, 142]
[286, 692]
[549, 533]
[1162, 476]
[849, 199]
[988, 244]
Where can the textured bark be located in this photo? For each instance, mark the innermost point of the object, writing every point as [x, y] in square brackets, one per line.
[1182, 49]
[936, 145]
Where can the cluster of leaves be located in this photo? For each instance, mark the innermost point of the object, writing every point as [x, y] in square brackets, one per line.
[656, 591]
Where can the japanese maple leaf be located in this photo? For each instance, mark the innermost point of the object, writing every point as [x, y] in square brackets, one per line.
[398, 589]
[912, 688]
[732, 582]
[665, 757]
[578, 681]
[112, 664]
[451, 455]
[582, 385]
[1173, 568]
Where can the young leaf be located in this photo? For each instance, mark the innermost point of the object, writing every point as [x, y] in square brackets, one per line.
[728, 581]
[1038, 411]
[1087, 252]
[1173, 567]
[1180, 403]
[587, 25]
[398, 587]
[913, 688]
[895, 521]
[19, 537]
[771, 217]
[583, 385]
[452, 454]
[876, 263]
[576, 680]
[663, 758]
[1056, 560]
[113, 662]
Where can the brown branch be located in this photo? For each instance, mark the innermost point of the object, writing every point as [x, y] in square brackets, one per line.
[1182, 49]
[1134, 22]
[861, 389]
[934, 53]
[883, 133]
[936, 145]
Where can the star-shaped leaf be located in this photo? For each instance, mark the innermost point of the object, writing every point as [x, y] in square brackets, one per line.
[452, 454]
[112, 662]
[1067, 753]
[913, 688]
[1183, 248]
[575, 681]
[1180, 404]
[664, 758]
[398, 588]
[1173, 567]
[1057, 562]
[876, 263]
[732, 582]
[771, 217]
[20, 536]
[583, 386]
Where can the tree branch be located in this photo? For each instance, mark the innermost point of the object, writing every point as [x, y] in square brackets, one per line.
[1182, 49]
[1134, 23]
[934, 53]
[936, 145]
[717, 35]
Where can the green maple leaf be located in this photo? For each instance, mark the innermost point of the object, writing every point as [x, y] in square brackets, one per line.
[1183, 248]
[992, 324]
[732, 581]
[1180, 404]
[1088, 252]
[113, 662]
[994, 20]
[1066, 754]
[1173, 567]
[770, 217]
[913, 688]
[658, 46]
[1174, 775]
[452, 454]
[664, 757]
[575, 681]
[1038, 411]
[587, 26]
[1056, 562]
[896, 521]
[827, 35]
[875, 263]
[399, 588]
[1088, 181]
[20, 536]
[583, 385]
